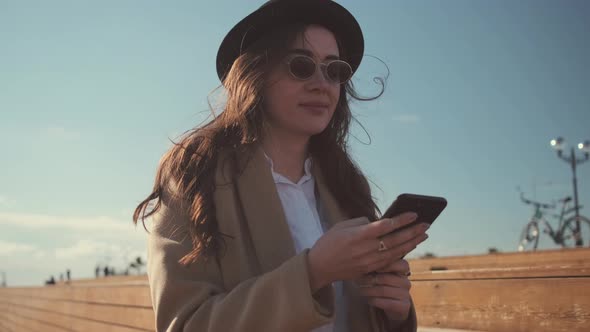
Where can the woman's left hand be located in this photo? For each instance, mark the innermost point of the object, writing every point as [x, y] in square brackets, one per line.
[389, 289]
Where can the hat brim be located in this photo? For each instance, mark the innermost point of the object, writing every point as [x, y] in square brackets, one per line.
[326, 13]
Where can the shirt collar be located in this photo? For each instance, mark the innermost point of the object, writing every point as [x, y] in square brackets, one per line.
[278, 178]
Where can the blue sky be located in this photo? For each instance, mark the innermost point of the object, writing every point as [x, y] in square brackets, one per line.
[90, 92]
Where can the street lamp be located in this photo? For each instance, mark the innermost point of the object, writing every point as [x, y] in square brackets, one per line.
[559, 145]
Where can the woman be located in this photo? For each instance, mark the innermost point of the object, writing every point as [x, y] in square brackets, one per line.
[261, 220]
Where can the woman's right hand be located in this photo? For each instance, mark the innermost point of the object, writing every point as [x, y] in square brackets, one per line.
[351, 248]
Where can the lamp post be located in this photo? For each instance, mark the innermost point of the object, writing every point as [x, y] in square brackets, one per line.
[559, 145]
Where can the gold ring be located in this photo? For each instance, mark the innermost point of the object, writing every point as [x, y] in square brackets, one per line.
[382, 245]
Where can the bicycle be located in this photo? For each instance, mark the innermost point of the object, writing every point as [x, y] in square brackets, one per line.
[564, 235]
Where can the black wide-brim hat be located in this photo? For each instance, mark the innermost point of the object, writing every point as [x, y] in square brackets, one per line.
[275, 13]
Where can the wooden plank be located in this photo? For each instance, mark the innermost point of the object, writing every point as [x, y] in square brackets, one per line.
[14, 325]
[29, 323]
[140, 318]
[576, 256]
[17, 322]
[536, 304]
[70, 323]
[506, 273]
[138, 296]
[107, 280]
[435, 329]
[6, 324]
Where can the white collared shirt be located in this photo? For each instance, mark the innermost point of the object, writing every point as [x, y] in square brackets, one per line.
[300, 207]
[301, 211]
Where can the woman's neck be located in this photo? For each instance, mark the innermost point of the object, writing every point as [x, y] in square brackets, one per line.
[288, 154]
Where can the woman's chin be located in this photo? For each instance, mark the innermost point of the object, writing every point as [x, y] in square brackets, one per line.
[305, 128]
[314, 130]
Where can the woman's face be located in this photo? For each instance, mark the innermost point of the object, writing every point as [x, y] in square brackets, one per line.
[303, 108]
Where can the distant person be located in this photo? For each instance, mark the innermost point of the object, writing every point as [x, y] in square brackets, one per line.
[51, 281]
[106, 271]
[262, 221]
[68, 275]
[97, 271]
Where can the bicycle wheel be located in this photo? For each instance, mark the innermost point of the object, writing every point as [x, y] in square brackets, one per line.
[569, 227]
[529, 239]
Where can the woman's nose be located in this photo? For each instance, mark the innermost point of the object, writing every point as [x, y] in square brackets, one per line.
[319, 80]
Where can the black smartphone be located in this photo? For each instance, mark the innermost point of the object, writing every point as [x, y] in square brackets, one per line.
[428, 208]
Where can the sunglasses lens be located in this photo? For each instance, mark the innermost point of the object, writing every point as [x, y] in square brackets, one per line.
[302, 67]
[339, 71]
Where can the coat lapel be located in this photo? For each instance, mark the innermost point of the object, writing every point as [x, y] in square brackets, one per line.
[359, 314]
[263, 211]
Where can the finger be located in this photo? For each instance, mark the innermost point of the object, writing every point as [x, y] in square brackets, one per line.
[384, 258]
[368, 247]
[396, 238]
[379, 260]
[385, 292]
[384, 279]
[352, 223]
[400, 310]
[375, 260]
[400, 266]
[368, 280]
[385, 226]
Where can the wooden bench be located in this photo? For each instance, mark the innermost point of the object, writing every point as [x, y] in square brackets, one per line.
[576, 256]
[106, 280]
[544, 291]
[108, 307]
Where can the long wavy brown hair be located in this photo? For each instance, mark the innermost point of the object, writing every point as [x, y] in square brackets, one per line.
[190, 164]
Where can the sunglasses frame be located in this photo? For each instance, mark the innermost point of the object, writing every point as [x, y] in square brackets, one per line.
[323, 67]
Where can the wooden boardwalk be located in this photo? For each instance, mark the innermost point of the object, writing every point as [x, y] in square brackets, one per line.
[543, 291]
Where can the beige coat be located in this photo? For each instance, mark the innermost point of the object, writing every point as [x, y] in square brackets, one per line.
[259, 284]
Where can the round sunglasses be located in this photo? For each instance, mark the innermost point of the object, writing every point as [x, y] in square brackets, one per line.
[303, 67]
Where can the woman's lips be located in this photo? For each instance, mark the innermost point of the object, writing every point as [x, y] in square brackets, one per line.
[315, 108]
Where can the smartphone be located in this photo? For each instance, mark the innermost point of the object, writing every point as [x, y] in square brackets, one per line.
[428, 208]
